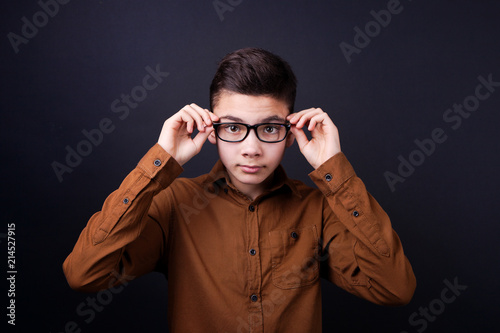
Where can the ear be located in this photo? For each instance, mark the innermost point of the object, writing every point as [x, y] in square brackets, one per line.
[289, 139]
[212, 138]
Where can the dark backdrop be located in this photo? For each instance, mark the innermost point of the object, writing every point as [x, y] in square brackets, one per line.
[63, 71]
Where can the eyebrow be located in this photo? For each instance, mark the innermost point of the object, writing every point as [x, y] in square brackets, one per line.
[265, 120]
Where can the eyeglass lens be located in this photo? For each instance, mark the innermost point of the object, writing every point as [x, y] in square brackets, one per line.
[265, 132]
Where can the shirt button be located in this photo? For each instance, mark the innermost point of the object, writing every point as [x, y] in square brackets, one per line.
[225, 190]
[355, 213]
[251, 208]
[125, 201]
[157, 163]
[253, 252]
[294, 235]
[328, 177]
[254, 298]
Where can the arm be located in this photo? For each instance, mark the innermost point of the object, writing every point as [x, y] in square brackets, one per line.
[123, 240]
[363, 253]
[103, 248]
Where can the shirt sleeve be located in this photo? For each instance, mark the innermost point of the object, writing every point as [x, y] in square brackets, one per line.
[361, 252]
[123, 241]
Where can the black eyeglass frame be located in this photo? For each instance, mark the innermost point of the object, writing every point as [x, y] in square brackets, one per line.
[249, 127]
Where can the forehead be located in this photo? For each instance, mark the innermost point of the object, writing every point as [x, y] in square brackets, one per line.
[250, 109]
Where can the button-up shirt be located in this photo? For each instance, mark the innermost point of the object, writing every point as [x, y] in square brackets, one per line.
[235, 264]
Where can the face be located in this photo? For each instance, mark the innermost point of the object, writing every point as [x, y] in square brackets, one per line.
[251, 162]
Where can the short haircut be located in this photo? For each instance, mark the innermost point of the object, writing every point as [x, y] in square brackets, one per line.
[254, 72]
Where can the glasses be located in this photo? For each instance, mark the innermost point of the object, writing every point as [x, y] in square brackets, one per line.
[237, 132]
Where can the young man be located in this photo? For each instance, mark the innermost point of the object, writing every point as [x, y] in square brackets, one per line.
[243, 246]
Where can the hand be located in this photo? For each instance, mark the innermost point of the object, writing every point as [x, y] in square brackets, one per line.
[175, 136]
[324, 141]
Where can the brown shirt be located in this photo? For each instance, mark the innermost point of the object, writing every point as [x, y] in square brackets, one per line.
[237, 265]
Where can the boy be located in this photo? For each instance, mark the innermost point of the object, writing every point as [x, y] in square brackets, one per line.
[243, 247]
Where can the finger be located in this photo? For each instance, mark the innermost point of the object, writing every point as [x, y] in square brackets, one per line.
[306, 117]
[207, 121]
[197, 118]
[306, 114]
[201, 137]
[317, 119]
[300, 136]
[295, 117]
[290, 116]
[185, 118]
[312, 124]
[213, 116]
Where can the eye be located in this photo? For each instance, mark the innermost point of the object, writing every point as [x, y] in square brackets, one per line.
[231, 128]
[270, 129]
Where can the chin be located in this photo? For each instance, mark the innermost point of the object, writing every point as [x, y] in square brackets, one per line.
[252, 180]
[249, 178]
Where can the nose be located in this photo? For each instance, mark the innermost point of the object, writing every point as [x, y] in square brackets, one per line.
[251, 146]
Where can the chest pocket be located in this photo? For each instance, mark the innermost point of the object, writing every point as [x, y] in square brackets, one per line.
[294, 257]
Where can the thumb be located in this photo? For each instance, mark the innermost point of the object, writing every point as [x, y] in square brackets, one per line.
[300, 136]
[201, 137]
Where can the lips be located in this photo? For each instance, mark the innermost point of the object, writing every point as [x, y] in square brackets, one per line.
[250, 168]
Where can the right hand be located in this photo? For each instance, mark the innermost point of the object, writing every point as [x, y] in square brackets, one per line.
[175, 136]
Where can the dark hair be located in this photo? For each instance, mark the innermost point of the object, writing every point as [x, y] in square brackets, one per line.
[254, 72]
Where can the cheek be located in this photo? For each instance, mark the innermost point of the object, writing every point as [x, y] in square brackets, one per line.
[276, 152]
[226, 151]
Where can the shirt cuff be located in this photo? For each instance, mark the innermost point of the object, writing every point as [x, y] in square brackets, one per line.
[332, 174]
[160, 166]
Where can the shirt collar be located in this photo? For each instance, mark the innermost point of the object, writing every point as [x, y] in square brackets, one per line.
[219, 174]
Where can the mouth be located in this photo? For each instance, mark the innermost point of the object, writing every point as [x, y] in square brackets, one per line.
[250, 168]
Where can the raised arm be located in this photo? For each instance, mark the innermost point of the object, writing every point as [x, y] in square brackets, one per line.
[361, 251]
[123, 241]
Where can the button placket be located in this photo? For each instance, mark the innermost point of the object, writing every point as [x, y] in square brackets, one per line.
[254, 271]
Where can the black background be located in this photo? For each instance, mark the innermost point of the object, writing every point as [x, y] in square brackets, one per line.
[396, 90]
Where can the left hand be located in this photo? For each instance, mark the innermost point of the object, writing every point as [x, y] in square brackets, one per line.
[324, 141]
